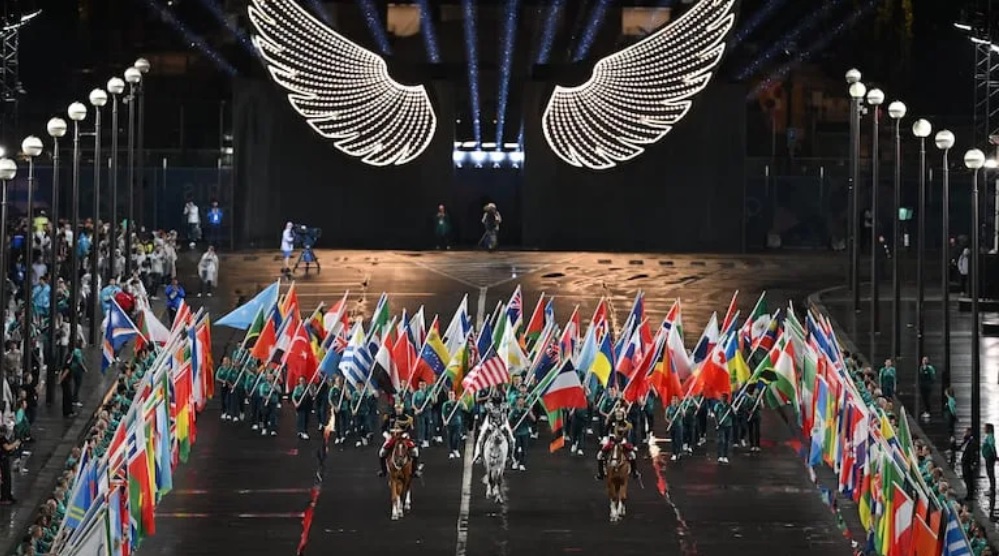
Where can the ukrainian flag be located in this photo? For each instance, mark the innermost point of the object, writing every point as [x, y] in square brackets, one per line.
[603, 363]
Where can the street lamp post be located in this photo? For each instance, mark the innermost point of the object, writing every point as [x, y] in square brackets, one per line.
[134, 77]
[897, 111]
[875, 97]
[975, 160]
[921, 129]
[142, 65]
[8, 169]
[857, 92]
[31, 147]
[98, 98]
[77, 112]
[945, 141]
[116, 86]
[57, 129]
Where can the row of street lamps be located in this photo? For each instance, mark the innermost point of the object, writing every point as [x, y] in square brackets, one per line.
[32, 147]
[974, 160]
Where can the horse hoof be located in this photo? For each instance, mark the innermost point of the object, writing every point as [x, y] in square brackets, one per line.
[408, 508]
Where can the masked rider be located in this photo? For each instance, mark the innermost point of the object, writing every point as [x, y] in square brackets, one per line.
[617, 433]
[397, 428]
[495, 417]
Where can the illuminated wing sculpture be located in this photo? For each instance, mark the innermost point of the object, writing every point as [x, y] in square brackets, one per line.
[342, 90]
[637, 95]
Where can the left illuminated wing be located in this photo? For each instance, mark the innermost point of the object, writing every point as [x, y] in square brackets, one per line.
[635, 96]
[342, 90]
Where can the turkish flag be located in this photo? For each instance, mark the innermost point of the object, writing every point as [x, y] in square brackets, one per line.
[300, 360]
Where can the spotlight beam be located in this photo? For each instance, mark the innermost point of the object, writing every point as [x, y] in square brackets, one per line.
[192, 38]
[370, 12]
[810, 23]
[429, 32]
[472, 51]
[241, 36]
[510, 17]
[592, 28]
[549, 31]
[757, 19]
[816, 47]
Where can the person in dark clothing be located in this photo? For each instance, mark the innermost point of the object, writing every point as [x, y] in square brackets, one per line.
[442, 228]
[66, 382]
[8, 447]
[969, 461]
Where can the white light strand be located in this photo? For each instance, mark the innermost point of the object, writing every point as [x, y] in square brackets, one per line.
[637, 95]
[342, 90]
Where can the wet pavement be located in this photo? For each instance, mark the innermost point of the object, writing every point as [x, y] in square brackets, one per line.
[245, 493]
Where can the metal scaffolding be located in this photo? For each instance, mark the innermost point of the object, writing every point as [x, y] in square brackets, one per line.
[986, 93]
[10, 78]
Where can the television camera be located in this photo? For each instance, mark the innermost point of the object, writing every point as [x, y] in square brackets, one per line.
[306, 238]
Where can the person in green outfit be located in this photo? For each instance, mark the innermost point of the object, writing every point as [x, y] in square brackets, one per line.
[78, 368]
[989, 455]
[927, 376]
[421, 403]
[521, 416]
[950, 412]
[442, 228]
[225, 386]
[723, 417]
[674, 419]
[888, 379]
[301, 397]
[606, 407]
[452, 410]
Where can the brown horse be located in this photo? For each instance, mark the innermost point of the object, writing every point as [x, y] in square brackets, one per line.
[400, 477]
[618, 470]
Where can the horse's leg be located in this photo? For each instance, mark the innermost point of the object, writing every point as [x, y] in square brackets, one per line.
[409, 497]
[395, 500]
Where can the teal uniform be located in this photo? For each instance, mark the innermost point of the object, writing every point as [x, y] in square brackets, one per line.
[520, 417]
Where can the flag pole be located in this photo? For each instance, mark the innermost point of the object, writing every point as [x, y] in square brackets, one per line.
[360, 397]
[457, 404]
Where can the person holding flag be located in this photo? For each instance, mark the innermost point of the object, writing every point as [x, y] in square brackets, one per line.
[723, 417]
[520, 415]
[453, 409]
[495, 411]
[303, 406]
[674, 416]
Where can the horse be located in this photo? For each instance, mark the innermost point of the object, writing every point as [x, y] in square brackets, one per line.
[618, 470]
[400, 477]
[497, 448]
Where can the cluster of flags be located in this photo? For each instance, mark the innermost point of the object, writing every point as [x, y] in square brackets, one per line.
[113, 499]
[875, 461]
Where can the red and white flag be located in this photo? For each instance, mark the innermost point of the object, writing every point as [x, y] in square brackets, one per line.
[490, 372]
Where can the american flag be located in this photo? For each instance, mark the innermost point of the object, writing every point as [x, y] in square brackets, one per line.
[490, 372]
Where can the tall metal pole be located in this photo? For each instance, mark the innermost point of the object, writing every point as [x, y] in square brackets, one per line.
[56, 129]
[27, 329]
[130, 225]
[98, 98]
[74, 255]
[920, 253]
[111, 271]
[945, 264]
[896, 254]
[140, 153]
[875, 244]
[855, 201]
[976, 346]
[4, 262]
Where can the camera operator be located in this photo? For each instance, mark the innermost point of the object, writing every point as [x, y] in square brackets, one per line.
[287, 246]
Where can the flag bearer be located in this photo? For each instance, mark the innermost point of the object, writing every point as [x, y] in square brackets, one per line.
[269, 394]
[302, 400]
[225, 387]
[606, 408]
[649, 409]
[702, 421]
[754, 420]
[422, 408]
[578, 421]
[452, 410]
[521, 416]
[675, 418]
[360, 414]
[333, 403]
[724, 418]
[690, 432]
[321, 402]
[253, 380]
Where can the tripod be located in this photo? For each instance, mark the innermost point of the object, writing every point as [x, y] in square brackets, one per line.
[307, 256]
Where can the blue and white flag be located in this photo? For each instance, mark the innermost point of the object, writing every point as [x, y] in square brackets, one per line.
[242, 317]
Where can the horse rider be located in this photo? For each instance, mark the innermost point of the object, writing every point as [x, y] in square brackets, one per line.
[398, 427]
[617, 433]
[495, 416]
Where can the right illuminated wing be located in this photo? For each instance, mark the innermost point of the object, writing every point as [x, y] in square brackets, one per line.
[342, 90]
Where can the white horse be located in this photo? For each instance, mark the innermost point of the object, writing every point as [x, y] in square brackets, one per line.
[497, 450]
